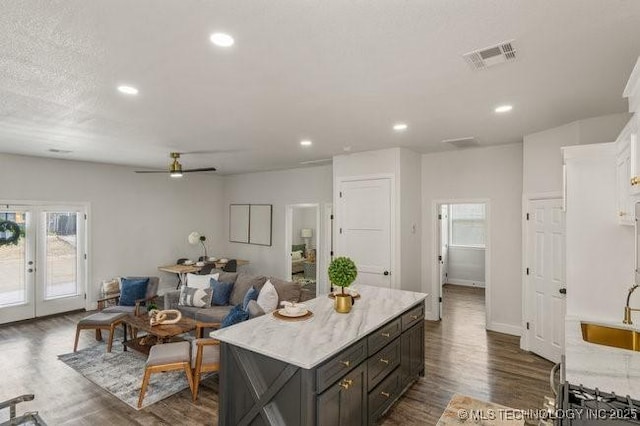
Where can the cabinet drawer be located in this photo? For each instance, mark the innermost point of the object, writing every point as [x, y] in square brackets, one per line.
[340, 364]
[383, 395]
[382, 336]
[382, 363]
[413, 317]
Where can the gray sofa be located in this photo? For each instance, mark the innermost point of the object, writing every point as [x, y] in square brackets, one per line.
[287, 290]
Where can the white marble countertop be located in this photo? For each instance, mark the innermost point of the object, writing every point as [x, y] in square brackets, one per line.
[597, 366]
[308, 343]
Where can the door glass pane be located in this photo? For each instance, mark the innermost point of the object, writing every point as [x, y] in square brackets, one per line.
[12, 258]
[61, 254]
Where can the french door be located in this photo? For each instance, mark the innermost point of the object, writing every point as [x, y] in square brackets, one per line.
[42, 260]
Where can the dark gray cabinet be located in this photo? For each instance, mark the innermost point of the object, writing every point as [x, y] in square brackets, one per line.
[353, 387]
[345, 402]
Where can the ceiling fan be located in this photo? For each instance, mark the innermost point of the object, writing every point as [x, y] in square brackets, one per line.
[175, 168]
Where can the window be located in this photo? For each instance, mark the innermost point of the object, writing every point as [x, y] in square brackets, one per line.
[467, 225]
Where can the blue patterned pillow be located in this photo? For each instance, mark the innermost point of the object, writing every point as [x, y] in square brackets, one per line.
[236, 315]
[221, 292]
[252, 294]
[132, 290]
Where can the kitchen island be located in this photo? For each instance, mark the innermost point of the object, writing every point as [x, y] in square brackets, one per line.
[598, 366]
[332, 369]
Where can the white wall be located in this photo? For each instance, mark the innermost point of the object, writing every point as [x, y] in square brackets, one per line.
[279, 188]
[542, 159]
[136, 222]
[495, 174]
[410, 220]
[304, 217]
[600, 253]
[465, 266]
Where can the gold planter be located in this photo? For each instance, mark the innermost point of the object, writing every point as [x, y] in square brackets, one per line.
[342, 303]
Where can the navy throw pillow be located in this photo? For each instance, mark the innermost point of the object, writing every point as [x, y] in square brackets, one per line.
[252, 294]
[132, 290]
[221, 292]
[236, 315]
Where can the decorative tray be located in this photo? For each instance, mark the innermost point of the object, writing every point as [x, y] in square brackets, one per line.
[282, 317]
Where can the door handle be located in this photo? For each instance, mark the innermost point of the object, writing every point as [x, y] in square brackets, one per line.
[385, 273]
[30, 262]
[563, 290]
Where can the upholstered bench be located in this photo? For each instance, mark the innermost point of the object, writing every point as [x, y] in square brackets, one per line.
[100, 321]
[167, 357]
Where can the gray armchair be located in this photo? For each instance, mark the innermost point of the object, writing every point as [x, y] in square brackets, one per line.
[140, 306]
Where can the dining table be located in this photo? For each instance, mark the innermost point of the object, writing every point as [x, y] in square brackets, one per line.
[181, 270]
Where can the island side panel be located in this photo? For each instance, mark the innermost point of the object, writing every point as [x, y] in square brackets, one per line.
[260, 389]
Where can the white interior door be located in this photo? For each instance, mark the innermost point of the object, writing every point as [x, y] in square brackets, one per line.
[444, 243]
[364, 232]
[43, 274]
[546, 273]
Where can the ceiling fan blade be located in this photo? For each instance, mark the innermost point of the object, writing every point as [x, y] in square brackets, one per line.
[206, 169]
[151, 171]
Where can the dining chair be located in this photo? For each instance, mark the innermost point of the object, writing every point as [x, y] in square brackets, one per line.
[205, 355]
[230, 266]
[206, 269]
[181, 261]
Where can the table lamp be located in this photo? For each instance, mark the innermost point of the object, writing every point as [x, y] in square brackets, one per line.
[305, 234]
[195, 238]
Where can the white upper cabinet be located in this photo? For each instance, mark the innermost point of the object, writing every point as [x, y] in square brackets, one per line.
[623, 190]
[632, 90]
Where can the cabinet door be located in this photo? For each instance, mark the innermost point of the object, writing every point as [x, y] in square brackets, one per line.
[623, 171]
[629, 135]
[412, 358]
[345, 402]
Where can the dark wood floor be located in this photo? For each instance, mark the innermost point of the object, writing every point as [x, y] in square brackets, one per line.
[461, 357]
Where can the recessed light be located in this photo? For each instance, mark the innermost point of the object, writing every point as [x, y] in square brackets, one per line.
[399, 127]
[128, 90]
[504, 108]
[306, 142]
[222, 39]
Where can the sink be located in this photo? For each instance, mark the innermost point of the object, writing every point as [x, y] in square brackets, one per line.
[622, 338]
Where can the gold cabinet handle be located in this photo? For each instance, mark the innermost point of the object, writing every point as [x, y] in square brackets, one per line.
[635, 180]
[345, 363]
[384, 361]
[346, 383]
[415, 317]
[385, 394]
[385, 334]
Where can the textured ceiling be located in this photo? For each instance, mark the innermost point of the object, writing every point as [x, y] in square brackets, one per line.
[337, 72]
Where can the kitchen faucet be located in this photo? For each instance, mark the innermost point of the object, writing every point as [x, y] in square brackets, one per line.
[627, 309]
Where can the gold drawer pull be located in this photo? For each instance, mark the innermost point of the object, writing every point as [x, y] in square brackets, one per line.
[346, 383]
[384, 361]
[385, 394]
[385, 334]
[415, 317]
[345, 363]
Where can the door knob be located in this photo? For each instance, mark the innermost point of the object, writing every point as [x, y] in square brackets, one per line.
[563, 290]
[30, 270]
[30, 262]
[386, 272]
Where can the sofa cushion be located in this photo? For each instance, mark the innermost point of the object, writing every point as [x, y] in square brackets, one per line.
[287, 290]
[212, 314]
[254, 309]
[197, 297]
[268, 297]
[221, 292]
[243, 283]
[236, 315]
[252, 294]
[189, 311]
[200, 281]
[225, 277]
[132, 290]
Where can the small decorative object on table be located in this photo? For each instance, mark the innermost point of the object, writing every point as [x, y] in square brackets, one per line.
[162, 317]
[293, 312]
[342, 272]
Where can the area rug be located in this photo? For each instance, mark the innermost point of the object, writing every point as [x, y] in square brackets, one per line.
[464, 410]
[120, 373]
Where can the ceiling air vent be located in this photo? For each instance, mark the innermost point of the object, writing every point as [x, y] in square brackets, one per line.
[462, 142]
[492, 55]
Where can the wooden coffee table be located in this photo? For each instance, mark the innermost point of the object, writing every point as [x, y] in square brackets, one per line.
[156, 334]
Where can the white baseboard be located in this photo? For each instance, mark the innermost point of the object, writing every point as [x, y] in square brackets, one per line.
[505, 328]
[468, 283]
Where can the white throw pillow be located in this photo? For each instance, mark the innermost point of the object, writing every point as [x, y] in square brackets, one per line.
[296, 255]
[268, 297]
[200, 281]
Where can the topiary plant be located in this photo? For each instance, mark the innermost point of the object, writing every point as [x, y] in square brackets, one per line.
[342, 272]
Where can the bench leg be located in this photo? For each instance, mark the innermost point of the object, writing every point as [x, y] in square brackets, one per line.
[143, 389]
[75, 345]
[98, 334]
[112, 329]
